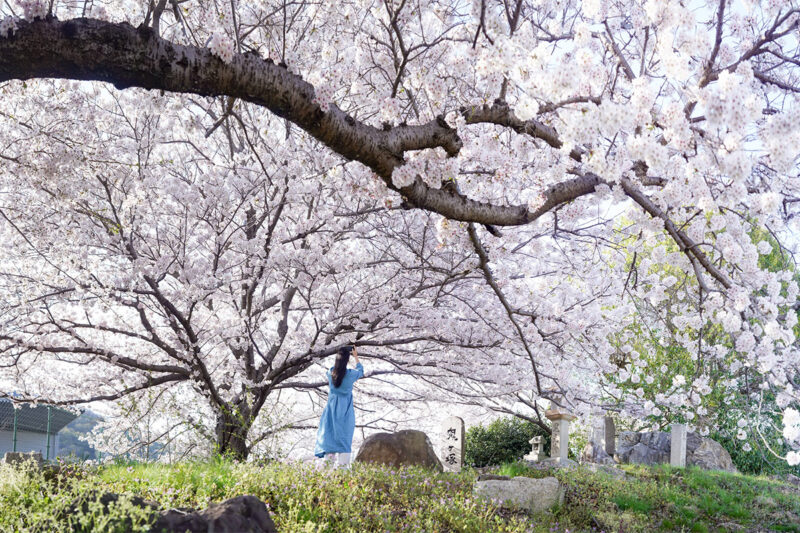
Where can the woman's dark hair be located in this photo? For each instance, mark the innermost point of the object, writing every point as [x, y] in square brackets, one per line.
[340, 366]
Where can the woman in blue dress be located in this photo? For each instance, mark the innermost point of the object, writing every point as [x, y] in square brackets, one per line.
[338, 421]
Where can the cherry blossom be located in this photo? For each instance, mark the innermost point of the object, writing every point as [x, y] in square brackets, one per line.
[492, 197]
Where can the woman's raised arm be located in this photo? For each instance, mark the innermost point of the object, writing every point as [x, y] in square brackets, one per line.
[359, 366]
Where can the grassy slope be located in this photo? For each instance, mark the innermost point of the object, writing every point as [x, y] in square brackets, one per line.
[669, 499]
[303, 498]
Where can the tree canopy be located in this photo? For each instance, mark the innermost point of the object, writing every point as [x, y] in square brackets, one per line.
[219, 195]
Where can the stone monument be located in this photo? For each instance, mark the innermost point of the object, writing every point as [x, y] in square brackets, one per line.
[559, 442]
[453, 448]
[537, 449]
[609, 436]
[677, 449]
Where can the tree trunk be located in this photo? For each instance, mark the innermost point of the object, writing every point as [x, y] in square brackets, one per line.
[232, 429]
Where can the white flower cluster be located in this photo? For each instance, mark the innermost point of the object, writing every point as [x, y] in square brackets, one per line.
[791, 424]
[526, 108]
[33, 9]
[781, 138]
[403, 175]
[449, 231]
[221, 46]
[99, 12]
[594, 8]
[391, 109]
[791, 432]
[770, 202]
[649, 149]
[8, 26]
[431, 165]
[731, 102]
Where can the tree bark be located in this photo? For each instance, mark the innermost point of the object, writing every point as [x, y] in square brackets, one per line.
[232, 429]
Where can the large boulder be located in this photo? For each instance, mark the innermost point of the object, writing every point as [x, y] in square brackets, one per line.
[653, 447]
[236, 515]
[89, 511]
[407, 447]
[657, 440]
[710, 455]
[595, 453]
[642, 454]
[242, 514]
[626, 439]
[525, 493]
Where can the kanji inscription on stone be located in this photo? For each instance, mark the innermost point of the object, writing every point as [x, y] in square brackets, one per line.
[453, 440]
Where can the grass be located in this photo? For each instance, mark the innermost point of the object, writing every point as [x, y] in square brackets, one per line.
[303, 498]
[300, 497]
[521, 469]
[683, 500]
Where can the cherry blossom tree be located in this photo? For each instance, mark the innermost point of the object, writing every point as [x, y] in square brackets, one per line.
[229, 266]
[521, 130]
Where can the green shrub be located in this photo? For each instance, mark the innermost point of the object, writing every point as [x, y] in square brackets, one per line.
[503, 441]
[753, 455]
[67, 500]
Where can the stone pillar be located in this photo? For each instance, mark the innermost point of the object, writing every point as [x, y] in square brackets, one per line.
[453, 448]
[559, 441]
[677, 450]
[609, 436]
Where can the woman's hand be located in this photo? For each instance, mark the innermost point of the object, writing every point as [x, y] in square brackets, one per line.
[355, 354]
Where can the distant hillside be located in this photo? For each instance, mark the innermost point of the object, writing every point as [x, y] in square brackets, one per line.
[72, 434]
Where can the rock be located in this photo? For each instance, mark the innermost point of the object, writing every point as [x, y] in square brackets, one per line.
[642, 454]
[240, 514]
[710, 455]
[609, 443]
[627, 439]
[406, 447]
[659, 440]
[15, 458]
[487, 477]
[595, 453]
[92, 519]
[653, 447]
[693, 441]
[540, 465]
[533, 495]
[647, 448]
[105, 499]
[236, 515]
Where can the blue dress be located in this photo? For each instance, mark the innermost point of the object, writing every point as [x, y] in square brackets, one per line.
[338, 421]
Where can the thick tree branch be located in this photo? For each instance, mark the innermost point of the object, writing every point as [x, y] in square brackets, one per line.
[151, 382]
[90, 49]
[501, 114]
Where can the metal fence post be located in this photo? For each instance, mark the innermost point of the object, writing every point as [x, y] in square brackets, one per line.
[49, 416]
[15, 427]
